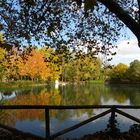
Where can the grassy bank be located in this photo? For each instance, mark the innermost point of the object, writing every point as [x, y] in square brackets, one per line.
[28, 83]
[96, 81]
[127, 82]
[20, 84]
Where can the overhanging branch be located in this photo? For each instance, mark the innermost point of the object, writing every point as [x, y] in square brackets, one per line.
[123, 16]
[139, 10]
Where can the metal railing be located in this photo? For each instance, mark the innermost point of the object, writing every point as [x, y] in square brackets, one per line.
[110, 109]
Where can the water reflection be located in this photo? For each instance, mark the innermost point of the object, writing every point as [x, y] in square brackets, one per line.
[7, 95]
[33, 126]
[86, 94]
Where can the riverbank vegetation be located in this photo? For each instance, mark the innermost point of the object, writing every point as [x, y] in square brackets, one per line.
[122, 73]
[36, 65]
[33, 66]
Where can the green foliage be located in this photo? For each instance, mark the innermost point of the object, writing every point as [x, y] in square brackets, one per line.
[37, 20]
[125, 74]
[70, 72]
[20, 84]
[83, 68]
[134, 71]
[118, 73]
[69, 66]
[53, 60]
[47, 64]
[3, 64]
[96, 81]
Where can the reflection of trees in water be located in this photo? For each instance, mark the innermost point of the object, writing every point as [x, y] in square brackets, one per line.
[42, 98]
[84, 94]
[7, 118]
[27, 91]
[121, 93]
[77, 95]
[91, 94]
[80, 95]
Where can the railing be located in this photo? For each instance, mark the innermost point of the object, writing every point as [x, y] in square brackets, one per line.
[110, 109]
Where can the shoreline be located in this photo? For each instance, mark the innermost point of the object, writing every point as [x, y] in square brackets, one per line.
[28, 83]
[20, 84]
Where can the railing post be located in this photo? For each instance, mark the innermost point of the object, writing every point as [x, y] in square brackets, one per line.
[113, 113]
[113, 121]
[47, 123]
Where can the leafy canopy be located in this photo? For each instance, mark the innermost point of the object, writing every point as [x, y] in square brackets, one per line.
[90, 23]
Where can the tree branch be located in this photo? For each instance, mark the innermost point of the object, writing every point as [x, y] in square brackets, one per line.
[139, 10]
[123, 16]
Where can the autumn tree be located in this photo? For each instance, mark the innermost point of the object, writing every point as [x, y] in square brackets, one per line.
[36, 66]
[22, 67]
[95, 69]
[123, 73]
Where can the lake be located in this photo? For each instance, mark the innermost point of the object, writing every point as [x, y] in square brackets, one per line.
[33, 121]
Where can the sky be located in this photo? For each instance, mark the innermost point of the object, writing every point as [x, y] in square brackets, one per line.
[127, 51]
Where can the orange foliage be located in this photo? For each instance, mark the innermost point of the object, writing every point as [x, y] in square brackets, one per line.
[36, 65]
[42, 98]
[22, 70]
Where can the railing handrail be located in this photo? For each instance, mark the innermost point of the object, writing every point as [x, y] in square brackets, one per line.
[111, 109]
[68, 106]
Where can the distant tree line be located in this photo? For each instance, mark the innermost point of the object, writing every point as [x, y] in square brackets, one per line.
[62, 63]
[48, 64]
[122, 73]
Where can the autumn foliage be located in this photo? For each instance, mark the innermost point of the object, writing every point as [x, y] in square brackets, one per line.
[27, 64]
[35, 66]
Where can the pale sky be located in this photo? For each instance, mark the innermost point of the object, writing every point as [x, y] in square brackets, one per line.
[126, 52]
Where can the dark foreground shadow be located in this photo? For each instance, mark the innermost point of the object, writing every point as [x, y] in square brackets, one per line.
[112, 132]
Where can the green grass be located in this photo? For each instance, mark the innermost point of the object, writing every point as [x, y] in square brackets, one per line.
[96, 81]
[20, 84]
[27, 83]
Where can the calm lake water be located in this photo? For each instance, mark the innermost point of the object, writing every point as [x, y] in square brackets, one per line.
[85, 94]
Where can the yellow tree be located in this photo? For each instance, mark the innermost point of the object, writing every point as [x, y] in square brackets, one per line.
[119, 72]
[53, 61]
[12, 59]
[22, 69]
[3, 64]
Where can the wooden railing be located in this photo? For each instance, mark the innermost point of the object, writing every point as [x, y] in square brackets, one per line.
[110, 109]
